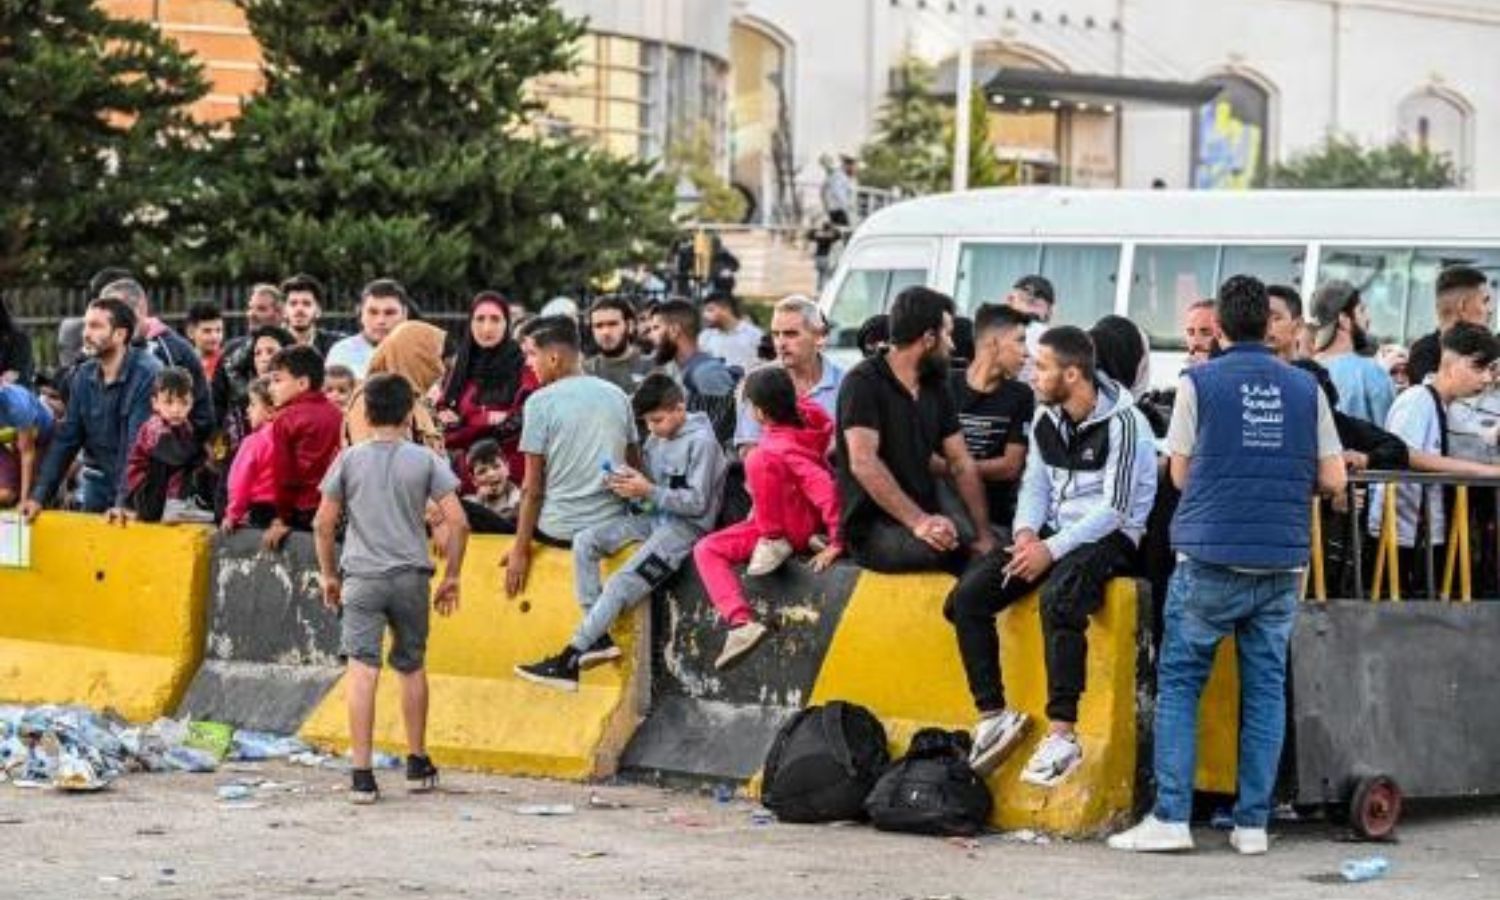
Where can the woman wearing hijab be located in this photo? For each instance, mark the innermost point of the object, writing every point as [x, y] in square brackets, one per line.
[488, 386]
[1122, 353]
[414, 350]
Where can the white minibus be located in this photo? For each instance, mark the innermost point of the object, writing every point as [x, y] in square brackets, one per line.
[1147, 255]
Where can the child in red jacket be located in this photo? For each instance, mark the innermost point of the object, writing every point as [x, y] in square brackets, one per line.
[164, 451]
[305, 438]
[795, 498]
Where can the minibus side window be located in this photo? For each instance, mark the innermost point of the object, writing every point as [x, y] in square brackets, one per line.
[1167, 280]
[1084, 277]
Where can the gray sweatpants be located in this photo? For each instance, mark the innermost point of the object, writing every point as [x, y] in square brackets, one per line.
[665, 546]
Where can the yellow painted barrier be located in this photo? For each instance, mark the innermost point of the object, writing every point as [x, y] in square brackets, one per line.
[482, 716]
[109, 617]
[1219, 724]
[896, 654]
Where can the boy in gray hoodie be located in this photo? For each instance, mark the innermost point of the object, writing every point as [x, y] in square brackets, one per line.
[674, 503]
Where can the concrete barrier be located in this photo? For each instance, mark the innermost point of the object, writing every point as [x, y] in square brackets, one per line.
[895, 654]
[881, 641]
[272, 650]
[705, 723]
[105, 616]
[482, 715]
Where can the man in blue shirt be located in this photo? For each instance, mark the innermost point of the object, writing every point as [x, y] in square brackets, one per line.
[110, 400]
[1341, 344]
[798, 332]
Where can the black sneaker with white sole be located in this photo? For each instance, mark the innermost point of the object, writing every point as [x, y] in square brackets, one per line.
[559, 672]
[362, 788]
[421, 774]
[602, 650]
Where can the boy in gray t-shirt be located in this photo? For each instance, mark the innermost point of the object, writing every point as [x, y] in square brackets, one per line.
[384, 485]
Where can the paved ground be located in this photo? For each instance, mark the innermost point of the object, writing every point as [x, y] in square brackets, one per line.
[170, 836]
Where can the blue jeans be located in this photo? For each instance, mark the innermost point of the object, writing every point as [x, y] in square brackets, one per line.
[1206, 604]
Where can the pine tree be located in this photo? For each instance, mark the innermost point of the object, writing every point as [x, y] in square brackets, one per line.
[96, 144]
[392, 138]
[910, 149]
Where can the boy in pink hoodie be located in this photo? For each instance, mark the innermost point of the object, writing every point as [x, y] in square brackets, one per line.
[795, 499]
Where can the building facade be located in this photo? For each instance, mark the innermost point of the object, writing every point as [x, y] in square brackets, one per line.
[1108, 92]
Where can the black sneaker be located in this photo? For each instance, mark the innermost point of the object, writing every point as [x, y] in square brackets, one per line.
[421, 774]
[602, 650]
[560, 671]
[363, 790]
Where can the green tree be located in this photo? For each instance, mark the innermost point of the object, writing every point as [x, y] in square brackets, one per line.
[392, 137]
[985, 169]
[96, 144]
[1342, 162]
[693, 159]
[910, 150]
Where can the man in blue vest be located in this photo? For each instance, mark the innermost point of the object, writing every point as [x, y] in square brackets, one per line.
[1251, 439]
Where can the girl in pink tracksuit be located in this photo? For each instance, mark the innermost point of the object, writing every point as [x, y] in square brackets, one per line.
[794, 496]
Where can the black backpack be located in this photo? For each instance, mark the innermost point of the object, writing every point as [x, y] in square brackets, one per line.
[932, 790]
[823, 763]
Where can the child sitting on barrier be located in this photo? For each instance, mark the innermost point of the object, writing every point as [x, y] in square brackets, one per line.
[794, 496]
[252, 481]
[164, 450]
[496, 501]
[673, 504]
[382, 580]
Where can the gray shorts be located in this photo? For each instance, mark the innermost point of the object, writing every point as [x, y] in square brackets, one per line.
[370, 604]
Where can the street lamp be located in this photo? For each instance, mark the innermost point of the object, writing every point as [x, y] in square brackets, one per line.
[962, 90]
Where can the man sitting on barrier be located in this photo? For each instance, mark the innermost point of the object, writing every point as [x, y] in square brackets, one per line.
[1251, 439]
[895, 414]
[1087, 491]
[577, 428]
[674, 503]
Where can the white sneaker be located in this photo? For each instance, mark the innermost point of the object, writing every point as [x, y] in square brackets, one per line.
[1249, 841]
[1153, 835]
[175, 512]
[740, 641]
[994, 738]
[1053, 761]
[768, 556]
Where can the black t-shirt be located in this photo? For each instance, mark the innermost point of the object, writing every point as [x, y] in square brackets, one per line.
[911, 430]
[1424, 357]
[991, 422]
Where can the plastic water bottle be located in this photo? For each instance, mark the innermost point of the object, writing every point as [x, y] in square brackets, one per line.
[1367, 869]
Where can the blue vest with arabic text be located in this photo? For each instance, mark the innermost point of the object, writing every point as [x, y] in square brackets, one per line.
[1254, 465]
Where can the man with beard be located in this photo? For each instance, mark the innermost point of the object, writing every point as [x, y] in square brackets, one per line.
[304, 307]
[1200, 332]
[895, 414]
[265, 307]
[1088, 487]
[109, 402]
[169, 348]
[612, 323]
[1340, 343]
[708, 381]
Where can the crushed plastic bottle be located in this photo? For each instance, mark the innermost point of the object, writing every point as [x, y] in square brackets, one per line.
[253, 746]
[190, 759]
[1366, 869]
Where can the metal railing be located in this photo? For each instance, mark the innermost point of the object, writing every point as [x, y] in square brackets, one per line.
[1461, 511]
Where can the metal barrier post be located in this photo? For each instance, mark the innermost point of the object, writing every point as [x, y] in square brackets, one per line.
[1356, 541]
[1320, 586]
[1387, 560]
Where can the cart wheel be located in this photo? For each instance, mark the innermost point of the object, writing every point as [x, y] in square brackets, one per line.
[1375, 807]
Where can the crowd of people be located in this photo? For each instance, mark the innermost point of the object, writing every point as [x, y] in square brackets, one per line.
[1019, 457]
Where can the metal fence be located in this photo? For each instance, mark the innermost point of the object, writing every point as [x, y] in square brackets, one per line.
[1349, 561]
